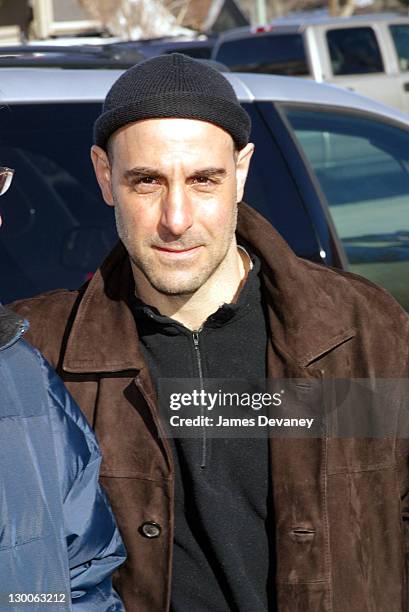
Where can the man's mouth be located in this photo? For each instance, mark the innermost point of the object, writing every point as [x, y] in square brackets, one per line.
[176, 251]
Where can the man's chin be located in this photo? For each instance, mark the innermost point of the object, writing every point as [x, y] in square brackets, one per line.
[175, 289]
[173, 282]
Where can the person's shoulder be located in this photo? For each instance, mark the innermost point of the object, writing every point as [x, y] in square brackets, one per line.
[48, 315]
[22, 362]
[57, 301]
[27, 395]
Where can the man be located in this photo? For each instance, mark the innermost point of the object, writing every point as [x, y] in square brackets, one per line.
[307, 524]
[58, 540]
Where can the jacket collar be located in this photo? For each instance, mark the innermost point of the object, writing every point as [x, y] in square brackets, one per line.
[103, 336]
[12, 327]
[305, 301]
[307, 317]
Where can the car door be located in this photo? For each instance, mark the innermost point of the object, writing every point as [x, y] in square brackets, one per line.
[360, 165]
[354, 59]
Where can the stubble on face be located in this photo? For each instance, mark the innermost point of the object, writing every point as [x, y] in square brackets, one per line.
[176, 149]
[176, 279]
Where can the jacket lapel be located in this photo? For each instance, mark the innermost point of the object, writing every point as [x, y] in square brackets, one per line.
[305, 321]
[103, 337]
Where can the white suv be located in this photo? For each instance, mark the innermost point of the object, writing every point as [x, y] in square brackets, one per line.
[368, 54]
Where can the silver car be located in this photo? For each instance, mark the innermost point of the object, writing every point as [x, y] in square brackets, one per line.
[331, 172]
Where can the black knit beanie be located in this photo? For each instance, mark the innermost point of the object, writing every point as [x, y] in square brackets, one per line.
[173, 85]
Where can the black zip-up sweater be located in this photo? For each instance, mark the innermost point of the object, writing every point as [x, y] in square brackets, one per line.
[223, 554]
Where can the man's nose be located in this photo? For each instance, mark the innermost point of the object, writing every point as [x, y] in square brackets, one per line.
[177, 215]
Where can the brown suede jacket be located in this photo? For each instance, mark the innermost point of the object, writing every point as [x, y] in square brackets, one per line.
[340, 504]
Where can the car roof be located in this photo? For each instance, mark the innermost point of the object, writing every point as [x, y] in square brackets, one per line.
[33, 85]
[353, 19]
[287, 25]
[108, 55]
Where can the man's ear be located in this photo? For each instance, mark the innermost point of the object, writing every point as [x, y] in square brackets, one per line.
[242, 168]
[102, 170]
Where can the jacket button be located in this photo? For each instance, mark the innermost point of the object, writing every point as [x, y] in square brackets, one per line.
[150, 529]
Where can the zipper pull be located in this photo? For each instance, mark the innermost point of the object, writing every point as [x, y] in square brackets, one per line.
[195, 335]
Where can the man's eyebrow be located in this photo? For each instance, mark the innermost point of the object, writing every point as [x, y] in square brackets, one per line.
[141, 172]
[210, 172]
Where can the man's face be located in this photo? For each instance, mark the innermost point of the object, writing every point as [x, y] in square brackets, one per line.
[175, 184]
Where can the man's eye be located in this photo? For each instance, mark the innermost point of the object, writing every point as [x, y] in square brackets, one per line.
[145, 183]
[202, 180]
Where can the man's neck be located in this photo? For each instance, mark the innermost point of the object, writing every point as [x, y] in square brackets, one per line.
[192, 311]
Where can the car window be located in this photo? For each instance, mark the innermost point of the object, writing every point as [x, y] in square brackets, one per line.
[57, 229]
[267, 53]
[354, 51]
[271, 190]
[54, 194]
[362, 166]
[400, 37]
[196, 51]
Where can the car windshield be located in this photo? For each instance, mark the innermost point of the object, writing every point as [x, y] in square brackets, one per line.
[362, 167]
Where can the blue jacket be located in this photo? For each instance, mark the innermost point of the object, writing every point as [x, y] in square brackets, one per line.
[58, 539]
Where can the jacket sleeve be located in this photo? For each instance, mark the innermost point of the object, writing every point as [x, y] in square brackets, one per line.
[94, 545]
[402, 466]
[403, 473]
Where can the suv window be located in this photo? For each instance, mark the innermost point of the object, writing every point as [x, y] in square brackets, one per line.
[362, 166]
[354, 51]
[400, 37]
[268, 53]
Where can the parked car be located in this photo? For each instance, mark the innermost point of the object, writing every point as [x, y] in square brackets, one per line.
[331, 172]
[368, 54]
[109, 55]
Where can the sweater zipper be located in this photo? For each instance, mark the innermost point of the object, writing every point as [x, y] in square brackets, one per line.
[195, 336]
